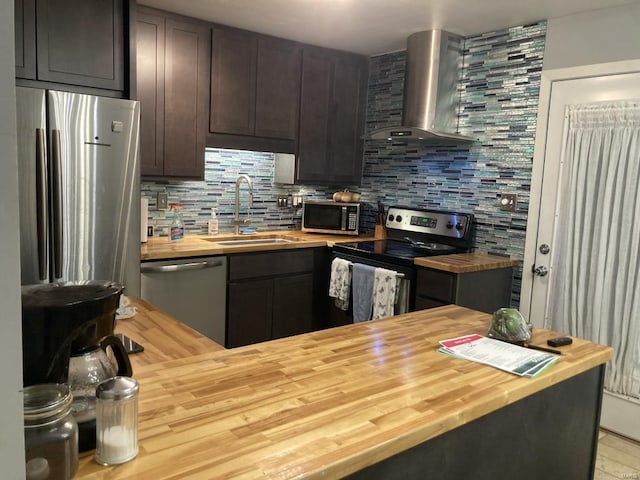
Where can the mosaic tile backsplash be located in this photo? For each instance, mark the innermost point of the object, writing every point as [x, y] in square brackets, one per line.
[499, 99]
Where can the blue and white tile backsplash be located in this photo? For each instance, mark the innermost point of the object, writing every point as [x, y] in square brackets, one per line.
[499, 100]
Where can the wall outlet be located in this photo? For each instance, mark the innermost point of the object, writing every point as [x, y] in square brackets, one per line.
[508, 202]
[283, 201]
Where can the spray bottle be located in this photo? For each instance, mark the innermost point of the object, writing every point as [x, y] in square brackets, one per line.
[176, 229]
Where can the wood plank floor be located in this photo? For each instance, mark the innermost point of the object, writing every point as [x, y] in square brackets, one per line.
[618, 458]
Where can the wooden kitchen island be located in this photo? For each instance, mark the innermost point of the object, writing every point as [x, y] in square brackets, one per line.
[372, 401]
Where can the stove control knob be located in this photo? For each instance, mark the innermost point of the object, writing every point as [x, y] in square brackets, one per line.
[449, 225]
[459, 226]
[398, 218]
[391, 218]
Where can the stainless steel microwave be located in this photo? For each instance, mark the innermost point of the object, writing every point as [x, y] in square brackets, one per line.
[325, 216]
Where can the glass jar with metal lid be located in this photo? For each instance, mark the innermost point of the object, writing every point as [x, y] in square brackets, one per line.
[116, 420]
[50, 432]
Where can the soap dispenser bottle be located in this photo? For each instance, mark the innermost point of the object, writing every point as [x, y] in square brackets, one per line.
[213, 223]
[176, 229]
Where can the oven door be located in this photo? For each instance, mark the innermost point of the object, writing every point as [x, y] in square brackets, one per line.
[406, 289]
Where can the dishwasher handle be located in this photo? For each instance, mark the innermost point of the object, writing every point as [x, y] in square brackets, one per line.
[180, 267]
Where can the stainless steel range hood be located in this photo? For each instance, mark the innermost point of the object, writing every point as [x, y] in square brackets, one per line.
[431, 98]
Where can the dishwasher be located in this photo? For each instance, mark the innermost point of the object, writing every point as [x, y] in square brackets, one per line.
[194, 291]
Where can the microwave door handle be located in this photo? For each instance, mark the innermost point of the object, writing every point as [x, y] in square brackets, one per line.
[343, 219]
[57, 204]
[41, 204]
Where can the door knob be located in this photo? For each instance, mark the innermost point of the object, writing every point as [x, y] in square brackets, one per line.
[540, 270]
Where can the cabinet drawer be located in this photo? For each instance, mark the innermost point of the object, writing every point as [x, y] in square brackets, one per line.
[436, 285]
[253, 265]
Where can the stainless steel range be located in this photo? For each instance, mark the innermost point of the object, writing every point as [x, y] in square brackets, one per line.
[411, 233]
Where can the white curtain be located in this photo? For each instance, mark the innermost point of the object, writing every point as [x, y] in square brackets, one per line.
[595, 287]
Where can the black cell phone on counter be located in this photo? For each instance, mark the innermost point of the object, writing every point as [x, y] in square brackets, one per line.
[559, 341]
[130, 346]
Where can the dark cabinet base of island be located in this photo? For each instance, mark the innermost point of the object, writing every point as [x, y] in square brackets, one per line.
[552, 434]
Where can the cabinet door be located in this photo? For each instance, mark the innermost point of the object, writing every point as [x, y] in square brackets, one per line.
[25, 25]
[436, 285]
[150, 38]
[187, 58]
[331, 117]
[347, 114]
[292, 305]
[233, 81]
[315, 104]
[277, 88]
[80, 42]
[250, 308]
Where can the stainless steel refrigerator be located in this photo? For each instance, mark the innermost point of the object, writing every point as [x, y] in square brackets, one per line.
[79, 188]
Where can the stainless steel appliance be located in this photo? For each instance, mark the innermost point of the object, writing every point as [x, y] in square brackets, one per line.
[411, 233]
[324, 216]
[192, 290]
[431, 94]
[79, 188]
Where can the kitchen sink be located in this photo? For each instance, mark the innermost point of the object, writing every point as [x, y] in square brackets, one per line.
[252, 241]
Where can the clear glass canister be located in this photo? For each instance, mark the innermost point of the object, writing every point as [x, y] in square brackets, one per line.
[116, 420]
[50, 432]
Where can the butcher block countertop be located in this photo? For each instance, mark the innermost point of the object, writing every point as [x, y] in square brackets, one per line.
[318, 405]
[466, 262]
[163, 337]
[157, 248]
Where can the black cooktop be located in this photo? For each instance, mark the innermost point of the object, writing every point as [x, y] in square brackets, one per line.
[396, 251]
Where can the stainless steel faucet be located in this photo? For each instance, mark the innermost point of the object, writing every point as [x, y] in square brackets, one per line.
[236, 220]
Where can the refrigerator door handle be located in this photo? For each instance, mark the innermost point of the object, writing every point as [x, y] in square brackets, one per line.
[41, 204]
[57, 203]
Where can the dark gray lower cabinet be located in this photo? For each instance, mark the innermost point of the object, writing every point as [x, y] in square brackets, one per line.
[292, 305]
[250, 312]
[485, 291]
[271, 295]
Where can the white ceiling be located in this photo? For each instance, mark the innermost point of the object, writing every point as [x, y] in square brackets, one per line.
[374, 26]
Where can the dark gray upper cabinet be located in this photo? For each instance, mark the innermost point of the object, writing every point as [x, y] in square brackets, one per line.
[25, 25]
[233, 81]
[277, 88]
[255, 83]
[73, 42]
[173, 89]
[332, 108]
[150, 40]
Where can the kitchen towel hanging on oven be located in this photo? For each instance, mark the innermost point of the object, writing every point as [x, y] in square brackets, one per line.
[363, 280]
[340, 282]
[385, 287]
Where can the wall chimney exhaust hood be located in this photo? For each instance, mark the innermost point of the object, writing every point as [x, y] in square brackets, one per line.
[431, 98]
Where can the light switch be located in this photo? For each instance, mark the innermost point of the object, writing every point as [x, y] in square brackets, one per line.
[162, 201]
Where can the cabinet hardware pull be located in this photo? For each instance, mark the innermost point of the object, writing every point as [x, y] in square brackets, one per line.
[180, 267]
